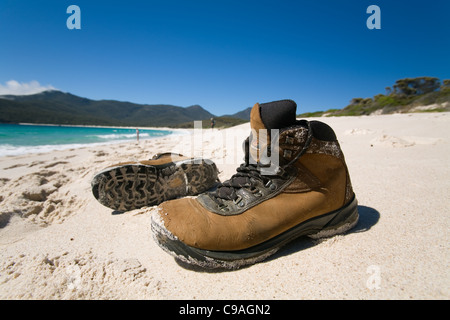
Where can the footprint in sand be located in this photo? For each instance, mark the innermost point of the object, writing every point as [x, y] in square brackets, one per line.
[402, 142]
[358, 131]
[15, 166]
[51, 165]
[35, 163]
[101, 154]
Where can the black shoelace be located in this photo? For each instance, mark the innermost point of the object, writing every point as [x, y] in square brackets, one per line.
[249, 174]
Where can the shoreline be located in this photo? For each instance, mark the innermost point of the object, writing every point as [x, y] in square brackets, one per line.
[97, 126]
[8, 150]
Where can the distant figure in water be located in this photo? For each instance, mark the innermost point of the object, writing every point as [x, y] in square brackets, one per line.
[137, 135]
[213, 122]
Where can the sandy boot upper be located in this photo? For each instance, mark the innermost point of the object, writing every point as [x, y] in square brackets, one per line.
[294, 172]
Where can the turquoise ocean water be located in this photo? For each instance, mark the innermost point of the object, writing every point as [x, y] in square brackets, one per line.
[18, 139]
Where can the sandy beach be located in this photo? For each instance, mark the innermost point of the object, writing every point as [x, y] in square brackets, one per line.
[58, 242]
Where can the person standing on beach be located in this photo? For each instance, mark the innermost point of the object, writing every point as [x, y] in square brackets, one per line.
[213, 122]
[137, 135]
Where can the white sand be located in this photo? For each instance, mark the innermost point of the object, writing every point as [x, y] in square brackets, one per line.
[58, 242]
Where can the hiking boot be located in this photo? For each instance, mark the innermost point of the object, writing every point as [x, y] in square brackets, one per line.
[132, 185]
[294, 182]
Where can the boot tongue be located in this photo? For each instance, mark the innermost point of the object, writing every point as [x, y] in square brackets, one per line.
[267, 116]
[263, 118]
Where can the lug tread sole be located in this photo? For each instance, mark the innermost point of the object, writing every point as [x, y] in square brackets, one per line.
[132, 186]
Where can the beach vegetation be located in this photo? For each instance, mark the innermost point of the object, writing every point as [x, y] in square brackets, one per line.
[406, 95]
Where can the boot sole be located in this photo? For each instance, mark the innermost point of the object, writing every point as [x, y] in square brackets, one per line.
[133, 186]
[326, 225]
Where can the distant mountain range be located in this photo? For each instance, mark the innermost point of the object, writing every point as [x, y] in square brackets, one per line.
[56, 107]
[421, 94]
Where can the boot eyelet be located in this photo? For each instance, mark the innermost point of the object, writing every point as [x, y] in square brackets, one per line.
[258, 194]
[223, 207]
[270, 185]
[237, 200]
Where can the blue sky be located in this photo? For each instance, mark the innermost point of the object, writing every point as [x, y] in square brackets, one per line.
[223, 55]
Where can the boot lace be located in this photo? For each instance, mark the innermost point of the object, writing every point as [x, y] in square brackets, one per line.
[248, 175]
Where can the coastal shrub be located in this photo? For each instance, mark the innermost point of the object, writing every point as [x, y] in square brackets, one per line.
[405, 94]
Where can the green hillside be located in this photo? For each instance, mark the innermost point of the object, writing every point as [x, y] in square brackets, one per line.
[404, 96]
[56, 107]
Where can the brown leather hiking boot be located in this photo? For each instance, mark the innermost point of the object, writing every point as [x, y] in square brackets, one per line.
[294, 182]
[132, 185]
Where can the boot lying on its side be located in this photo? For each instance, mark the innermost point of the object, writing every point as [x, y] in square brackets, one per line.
[132, 185]
[249, 217]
